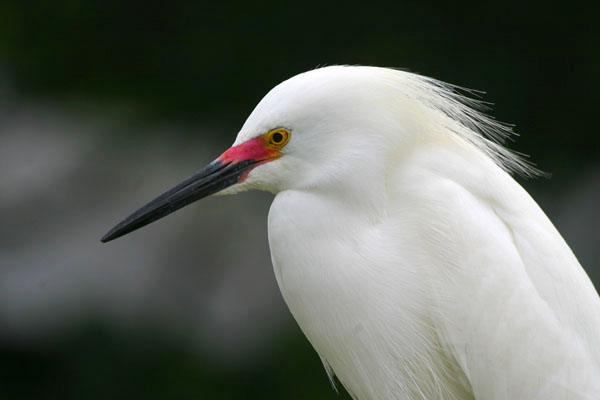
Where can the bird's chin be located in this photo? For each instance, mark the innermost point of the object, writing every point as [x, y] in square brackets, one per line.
[264, 177]
[235, 189]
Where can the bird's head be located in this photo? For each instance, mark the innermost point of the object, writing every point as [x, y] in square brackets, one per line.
[314, 129]
[333, 128]
[309, 131]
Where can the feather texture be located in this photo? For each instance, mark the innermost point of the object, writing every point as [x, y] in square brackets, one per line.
[415, 265]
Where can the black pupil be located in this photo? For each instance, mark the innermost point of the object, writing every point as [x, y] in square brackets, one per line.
[277, 137]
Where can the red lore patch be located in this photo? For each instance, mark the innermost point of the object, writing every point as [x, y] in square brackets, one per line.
[254, 149]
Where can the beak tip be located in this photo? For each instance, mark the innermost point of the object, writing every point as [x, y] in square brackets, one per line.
[108, 237]
[116, 232]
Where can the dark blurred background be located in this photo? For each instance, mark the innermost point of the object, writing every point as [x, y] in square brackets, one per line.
[105, 104]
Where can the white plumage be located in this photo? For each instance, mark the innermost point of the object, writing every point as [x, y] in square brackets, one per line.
[415, 265]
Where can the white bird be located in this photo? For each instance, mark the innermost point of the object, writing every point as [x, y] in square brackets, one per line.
[412, 261]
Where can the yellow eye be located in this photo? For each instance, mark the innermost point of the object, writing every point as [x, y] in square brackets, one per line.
[278, 137]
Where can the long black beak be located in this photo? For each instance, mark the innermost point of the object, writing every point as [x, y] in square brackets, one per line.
[215, 177]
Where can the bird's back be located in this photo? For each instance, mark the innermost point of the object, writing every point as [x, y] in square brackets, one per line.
[514, 307]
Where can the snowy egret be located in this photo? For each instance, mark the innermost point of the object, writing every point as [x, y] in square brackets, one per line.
[412, 261]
